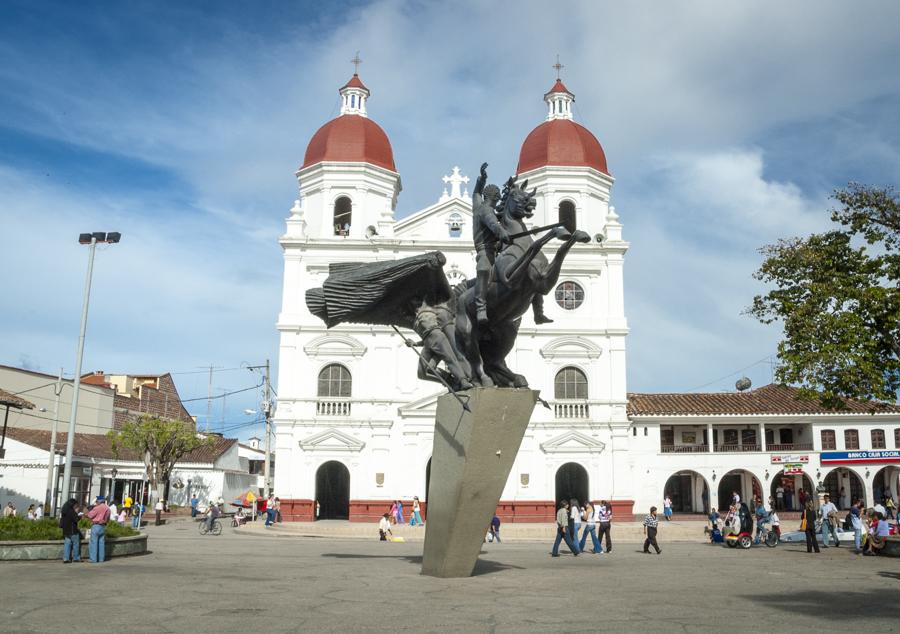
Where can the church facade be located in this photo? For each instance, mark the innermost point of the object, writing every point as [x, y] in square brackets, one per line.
[354, 425]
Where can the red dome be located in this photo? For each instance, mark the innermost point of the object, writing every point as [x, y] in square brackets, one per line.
[350, 138]
[561, 142]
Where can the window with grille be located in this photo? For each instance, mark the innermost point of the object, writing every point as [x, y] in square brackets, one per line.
[897, 439]
[878, 439]
[570, 383]
[334, 381]
[569, 295]
[828, 441]
[851, 439]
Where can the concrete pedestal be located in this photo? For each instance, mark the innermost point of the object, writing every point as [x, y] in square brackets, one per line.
[473, 454]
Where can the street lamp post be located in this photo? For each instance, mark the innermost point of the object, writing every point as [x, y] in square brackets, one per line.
[91, 239]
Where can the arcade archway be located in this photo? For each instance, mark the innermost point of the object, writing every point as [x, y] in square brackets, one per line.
[739, 481]
[844, 486]
[886, 482]
[333, 491]
[688, 491]
[572, 482]
[790, 486]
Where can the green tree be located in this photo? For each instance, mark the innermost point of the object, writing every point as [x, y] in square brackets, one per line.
[837, 295]
[161, 442]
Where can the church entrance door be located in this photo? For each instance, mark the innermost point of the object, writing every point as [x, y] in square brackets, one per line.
[333, 491]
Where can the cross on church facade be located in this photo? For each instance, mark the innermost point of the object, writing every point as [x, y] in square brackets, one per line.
[456, 180]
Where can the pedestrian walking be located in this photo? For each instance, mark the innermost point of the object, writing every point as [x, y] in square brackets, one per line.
[393, 512]
[495, 527]
[590, 528]
[562, 530]
[889, 505]
[136, 512]
[68, 522]
[604, 524]
[400, 519]
[99, 516]
[828, 513]
[651, 525]
[667, 507]
[277, 507]
[194, 503]
[808, 526]
[416, 517]
[574, 519]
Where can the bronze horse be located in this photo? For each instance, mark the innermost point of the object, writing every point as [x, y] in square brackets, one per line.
[520, 272]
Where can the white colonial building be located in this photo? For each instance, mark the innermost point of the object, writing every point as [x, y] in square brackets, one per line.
[354, 425]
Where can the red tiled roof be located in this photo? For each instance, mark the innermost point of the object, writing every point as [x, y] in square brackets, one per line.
[7, 398]
[99, 446]
[350, 138]
[559, 87]
[355, 82]
[561, 142]
[767, 400]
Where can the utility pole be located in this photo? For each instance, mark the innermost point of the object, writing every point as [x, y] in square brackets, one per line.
[49, 498]
[267, 410]
[209, 399]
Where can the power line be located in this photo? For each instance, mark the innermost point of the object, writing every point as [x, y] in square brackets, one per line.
[203, 398]
[722, 378]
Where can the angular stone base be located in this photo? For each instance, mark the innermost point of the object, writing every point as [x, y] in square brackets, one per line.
[472, 457]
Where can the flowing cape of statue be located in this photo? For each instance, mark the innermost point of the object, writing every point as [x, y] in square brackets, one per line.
[383, 293]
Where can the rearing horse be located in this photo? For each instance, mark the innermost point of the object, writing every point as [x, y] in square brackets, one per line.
[520, 272]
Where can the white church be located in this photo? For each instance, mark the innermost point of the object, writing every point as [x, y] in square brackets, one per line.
[354, 426]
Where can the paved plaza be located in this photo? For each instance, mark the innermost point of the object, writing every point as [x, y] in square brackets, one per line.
[251, 582]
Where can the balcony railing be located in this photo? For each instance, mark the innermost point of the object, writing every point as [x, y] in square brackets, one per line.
[737, 448]
[570, 409]
[684, 448]
[795, 446]
[333, 407]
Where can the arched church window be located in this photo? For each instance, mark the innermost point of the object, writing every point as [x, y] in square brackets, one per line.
[569, 295]
[334, 381]
[343, 211]
[353, 101]
[567, 214]
[570, 383]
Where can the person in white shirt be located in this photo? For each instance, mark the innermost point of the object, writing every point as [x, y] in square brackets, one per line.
[828, 512]
[113, 510]
[779, 498]
[38, 511]
[384, 528]
[879, 508]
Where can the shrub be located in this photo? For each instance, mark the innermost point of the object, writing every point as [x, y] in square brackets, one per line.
[21, 529]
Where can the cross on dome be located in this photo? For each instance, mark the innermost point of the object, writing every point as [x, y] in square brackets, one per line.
[455, 180]
[559, 99]
[354, 93]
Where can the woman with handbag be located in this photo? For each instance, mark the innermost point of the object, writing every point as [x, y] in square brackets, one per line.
[808, 526]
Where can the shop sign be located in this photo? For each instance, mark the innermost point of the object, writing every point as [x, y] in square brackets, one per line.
[876, 456]
[783, 458]
[793, 469]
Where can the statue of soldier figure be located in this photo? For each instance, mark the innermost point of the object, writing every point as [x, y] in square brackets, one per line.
[487, 232]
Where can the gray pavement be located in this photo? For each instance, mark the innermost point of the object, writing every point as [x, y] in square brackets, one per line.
[243, 582]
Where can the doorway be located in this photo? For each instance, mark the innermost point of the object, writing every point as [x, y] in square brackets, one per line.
[333, 491]
[572, 482]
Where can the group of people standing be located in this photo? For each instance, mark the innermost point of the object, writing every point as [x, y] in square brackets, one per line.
[597, 520]
[99, 514]
[395, 515]
[870, 526]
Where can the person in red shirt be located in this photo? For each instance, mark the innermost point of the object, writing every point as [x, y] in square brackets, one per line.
[99, 516]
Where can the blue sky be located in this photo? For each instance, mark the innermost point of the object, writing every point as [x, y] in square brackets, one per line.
[726, 126]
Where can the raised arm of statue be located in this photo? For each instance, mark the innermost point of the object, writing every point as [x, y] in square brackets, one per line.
[480, 183]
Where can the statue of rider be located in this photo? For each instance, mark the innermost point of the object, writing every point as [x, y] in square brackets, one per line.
[486, 231]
